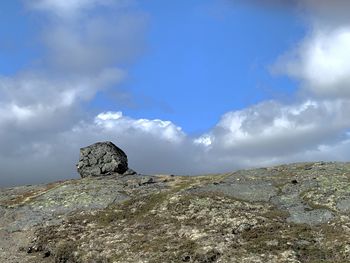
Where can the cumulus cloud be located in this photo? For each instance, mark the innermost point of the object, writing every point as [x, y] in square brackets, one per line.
[271, 129]
[164, 130]
[321, 60]
[34, 102]
[94, 43]
[264, 134]
[84, 36]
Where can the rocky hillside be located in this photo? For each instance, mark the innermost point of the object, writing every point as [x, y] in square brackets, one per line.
[289, 213]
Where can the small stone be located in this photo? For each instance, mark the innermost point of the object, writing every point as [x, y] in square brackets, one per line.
[146, 180]
[242, 228]
[130, 172]
[186, 258]
[208, 257]
[272, 243]
[47, 254]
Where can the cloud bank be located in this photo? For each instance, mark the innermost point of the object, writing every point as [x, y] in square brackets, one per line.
[43, 119]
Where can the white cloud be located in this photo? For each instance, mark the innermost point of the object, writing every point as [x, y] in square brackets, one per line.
[272, 129]
[322, 62]
[108, 116]
[32, 100]
[264, 134]
[91, 43]
[85, 36]
[115, 122]
[205, 140]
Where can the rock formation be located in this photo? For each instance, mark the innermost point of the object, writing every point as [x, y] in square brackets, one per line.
[297, 213]
[102, 158]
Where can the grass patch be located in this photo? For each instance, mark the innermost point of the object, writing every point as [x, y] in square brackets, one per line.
[303, 239]
[64, 252]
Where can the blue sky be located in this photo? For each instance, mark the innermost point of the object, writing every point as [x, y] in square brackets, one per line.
[184, 87]
[203, 59]
[14, 27]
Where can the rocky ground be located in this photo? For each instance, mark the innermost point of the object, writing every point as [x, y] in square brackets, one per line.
[289, 213]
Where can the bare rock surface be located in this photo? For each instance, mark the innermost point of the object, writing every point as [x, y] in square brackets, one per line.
[102, 158]
[289, 213]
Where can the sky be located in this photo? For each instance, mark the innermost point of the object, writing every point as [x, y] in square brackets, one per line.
[183, 87]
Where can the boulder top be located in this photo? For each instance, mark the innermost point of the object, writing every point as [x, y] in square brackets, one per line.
[102, 158]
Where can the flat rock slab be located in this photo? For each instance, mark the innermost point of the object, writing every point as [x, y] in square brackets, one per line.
[313, 217]
[343, 205]
[252, 192]
[24, 207]
[52, 206]
[289, 188]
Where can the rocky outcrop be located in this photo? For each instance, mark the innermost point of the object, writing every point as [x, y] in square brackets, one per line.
[297, 213]
[102, 158]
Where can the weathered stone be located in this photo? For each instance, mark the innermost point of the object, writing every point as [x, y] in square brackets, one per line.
[102, 158]
[343, 205]
[252, 191]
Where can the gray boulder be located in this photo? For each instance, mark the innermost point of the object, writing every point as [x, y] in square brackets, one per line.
[102, 158]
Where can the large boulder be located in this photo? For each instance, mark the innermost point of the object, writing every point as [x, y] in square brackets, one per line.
[102, 158]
